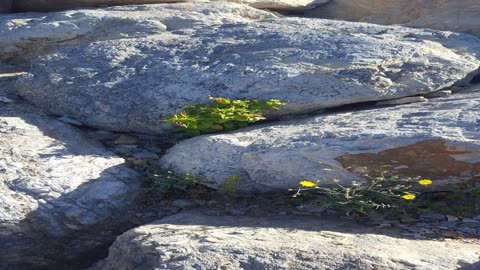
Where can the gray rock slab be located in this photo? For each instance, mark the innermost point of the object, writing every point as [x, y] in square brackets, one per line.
[196, 241]
[451, 15]
[55, 5]
[143, 64]
[439, 140]
[24, 36]
[55, 184]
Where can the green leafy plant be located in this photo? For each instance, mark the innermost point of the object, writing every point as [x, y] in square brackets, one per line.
[231, 185]
[223, 115]
[379, 194]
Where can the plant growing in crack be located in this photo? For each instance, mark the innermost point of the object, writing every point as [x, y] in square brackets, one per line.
[380, 193]
[223, 115]
[231, 185]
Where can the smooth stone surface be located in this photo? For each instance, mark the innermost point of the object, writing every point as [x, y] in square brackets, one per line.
[438, 140]
[195, 241]
[54, 186]
[126, 68]
[451, 15]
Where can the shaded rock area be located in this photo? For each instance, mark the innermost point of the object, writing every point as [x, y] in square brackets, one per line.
[6, 6]
[60, 193]
[147, 62]
[439, 139]
[450, 15]
[194, 241]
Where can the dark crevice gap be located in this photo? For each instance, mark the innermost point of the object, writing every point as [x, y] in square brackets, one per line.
[475, 79]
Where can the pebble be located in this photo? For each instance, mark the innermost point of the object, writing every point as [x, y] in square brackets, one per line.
[183, 203]
[201, 202]
[125, 139]
[470, 220]
[409, 220]
[454, 228]
[434, 216]
[451, 218]
[467, 230]
[448, 224]
[144, 154]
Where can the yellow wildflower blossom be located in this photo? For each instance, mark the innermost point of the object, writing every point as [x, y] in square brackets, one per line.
[425, 182]
[307, 183]
[409, 196]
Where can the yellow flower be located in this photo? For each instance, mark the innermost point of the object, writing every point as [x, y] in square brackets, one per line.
[425, 182]
[307, 183]
[409, 196]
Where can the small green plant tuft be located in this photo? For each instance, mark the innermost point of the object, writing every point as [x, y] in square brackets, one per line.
[166, 181]
[223, 115]
[231, 185]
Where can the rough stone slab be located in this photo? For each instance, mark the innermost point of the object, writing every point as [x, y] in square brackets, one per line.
[54, 185]
[143, 64]
[439, 139]
[450, 15]
[25, 36]
[196, 241]
[55, 5]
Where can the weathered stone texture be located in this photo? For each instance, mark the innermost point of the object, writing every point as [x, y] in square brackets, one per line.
[195, 241]
[126, 68]
[450, 15]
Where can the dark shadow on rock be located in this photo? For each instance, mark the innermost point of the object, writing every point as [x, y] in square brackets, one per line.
[70, 230]
[469, 266]
[475, 79]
